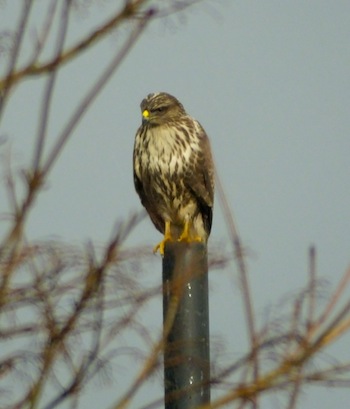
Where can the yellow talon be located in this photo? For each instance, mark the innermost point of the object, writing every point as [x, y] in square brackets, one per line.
[160, 246]
[167, 237]
[185, 235]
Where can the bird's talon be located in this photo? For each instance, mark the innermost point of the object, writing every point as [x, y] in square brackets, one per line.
[186, 235]
[189, 239]
[167, 237]
[161, 246]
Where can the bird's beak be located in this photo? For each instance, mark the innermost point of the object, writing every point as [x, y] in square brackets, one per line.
[145, 115]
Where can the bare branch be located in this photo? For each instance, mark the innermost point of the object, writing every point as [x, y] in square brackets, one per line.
[6, 84]
[130, 11]
[45, 110]
[242, 269]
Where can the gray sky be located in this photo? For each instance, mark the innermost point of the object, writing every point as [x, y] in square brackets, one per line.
[270, 82]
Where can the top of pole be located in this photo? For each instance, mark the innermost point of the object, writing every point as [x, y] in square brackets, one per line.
[185, 308]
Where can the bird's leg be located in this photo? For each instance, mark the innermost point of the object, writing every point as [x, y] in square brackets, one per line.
[186, 236]
[167, 237]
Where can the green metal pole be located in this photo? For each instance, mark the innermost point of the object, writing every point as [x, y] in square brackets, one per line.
[186, 350]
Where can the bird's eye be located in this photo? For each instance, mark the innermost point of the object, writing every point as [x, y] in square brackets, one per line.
[160, 109]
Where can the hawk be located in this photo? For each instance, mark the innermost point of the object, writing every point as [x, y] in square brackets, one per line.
[173, 170]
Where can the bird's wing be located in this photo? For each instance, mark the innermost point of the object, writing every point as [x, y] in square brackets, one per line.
[151, 209]
[200, 179]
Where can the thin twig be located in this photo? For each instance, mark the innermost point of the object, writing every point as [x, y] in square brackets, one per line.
[152, 360]
[311, 286]
[5, 86]
[343, 284]
[48, 93]
[94, 91]
[239, 253]
[45, 31]
[35, 69]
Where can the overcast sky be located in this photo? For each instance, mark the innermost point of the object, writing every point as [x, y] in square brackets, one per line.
[270, 82]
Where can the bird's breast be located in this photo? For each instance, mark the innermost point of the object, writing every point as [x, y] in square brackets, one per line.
[166, 151]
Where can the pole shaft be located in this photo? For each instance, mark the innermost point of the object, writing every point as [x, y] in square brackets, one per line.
[186, 350]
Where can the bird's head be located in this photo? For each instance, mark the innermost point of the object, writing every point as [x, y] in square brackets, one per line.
[161, 108]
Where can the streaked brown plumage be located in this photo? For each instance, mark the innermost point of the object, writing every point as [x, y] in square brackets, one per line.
[173, 170]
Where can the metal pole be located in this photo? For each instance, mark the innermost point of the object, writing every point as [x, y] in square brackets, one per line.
[186, 350]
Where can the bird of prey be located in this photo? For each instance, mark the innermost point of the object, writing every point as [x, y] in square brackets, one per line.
[174, 171]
